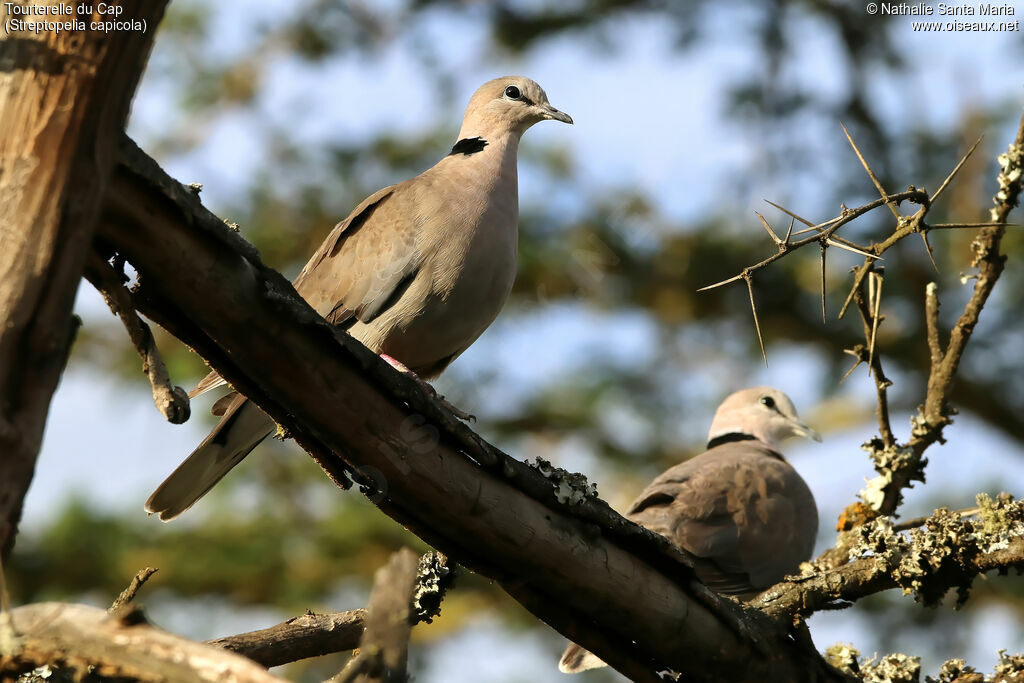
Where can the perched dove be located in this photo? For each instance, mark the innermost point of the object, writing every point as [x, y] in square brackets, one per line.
[738, 507]
[416, 272]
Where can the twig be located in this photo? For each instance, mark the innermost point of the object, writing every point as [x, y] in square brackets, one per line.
[314, 635]
[301, 637]
[871, 318]
[835, 240]
[128, 594]
[383, 649]
[848, 215]
[171, 401]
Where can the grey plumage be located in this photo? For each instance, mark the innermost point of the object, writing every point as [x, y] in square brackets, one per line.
[739, 508]
[417, 271]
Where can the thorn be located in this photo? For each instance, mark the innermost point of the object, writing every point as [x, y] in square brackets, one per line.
[790, 213]
[972, 225]
[875, 298]
[789, 233]
[775, 238]
[861, 271]
[844, 244]
[820, 226]
[956, 169]
[928, 248]
[753, 309]
[871, 174]
[821, 244]
[852, 368]
[734, 278]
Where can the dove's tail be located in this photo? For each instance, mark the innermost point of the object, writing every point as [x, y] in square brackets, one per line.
[575, 659]
[241, 428]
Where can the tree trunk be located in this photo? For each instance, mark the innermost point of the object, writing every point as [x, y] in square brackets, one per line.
[64, 96]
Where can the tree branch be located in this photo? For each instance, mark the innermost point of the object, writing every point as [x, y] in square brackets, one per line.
[617, 589]
[944, 551]
[313, 635]
[87, 640]
[934, 415]
[384, 646]
[307, 635]
[171, 401]
[129, 593]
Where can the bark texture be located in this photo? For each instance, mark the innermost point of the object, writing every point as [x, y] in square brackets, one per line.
[64, 97]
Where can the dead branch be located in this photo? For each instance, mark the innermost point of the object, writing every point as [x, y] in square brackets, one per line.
[301, 637]
[129, 593]
[383, 648]
[313, 635]
[171, 401]
[870, 316]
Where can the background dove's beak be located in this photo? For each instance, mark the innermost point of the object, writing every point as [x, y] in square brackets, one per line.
[801, 428]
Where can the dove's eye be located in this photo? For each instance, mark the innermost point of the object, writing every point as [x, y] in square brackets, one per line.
[768, 401]
[513, 93]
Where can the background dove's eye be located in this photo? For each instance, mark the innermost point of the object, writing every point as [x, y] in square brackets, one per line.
[513, 93]
[768, 401]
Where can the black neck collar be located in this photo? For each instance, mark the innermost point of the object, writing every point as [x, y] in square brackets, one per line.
[468, 146]
[730, 437]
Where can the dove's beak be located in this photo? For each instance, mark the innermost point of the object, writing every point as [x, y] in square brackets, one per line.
[801, 428]
[552, 114]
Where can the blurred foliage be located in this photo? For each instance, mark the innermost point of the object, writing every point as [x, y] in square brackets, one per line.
[616, 253]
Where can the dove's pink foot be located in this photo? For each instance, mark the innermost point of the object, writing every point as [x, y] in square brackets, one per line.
[401, 367]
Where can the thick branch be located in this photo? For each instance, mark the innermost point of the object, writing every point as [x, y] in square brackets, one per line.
[88, 640]
[615, 588]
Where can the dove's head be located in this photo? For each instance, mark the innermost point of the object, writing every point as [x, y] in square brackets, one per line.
[762, 412]
[508, 104]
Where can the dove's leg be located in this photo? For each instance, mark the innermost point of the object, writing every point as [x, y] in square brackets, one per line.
[400, 366]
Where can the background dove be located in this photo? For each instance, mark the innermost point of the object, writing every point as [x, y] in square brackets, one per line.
[739, 507]
[417, 271]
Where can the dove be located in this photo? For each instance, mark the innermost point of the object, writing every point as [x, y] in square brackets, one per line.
[416, 272]
[739, 508]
